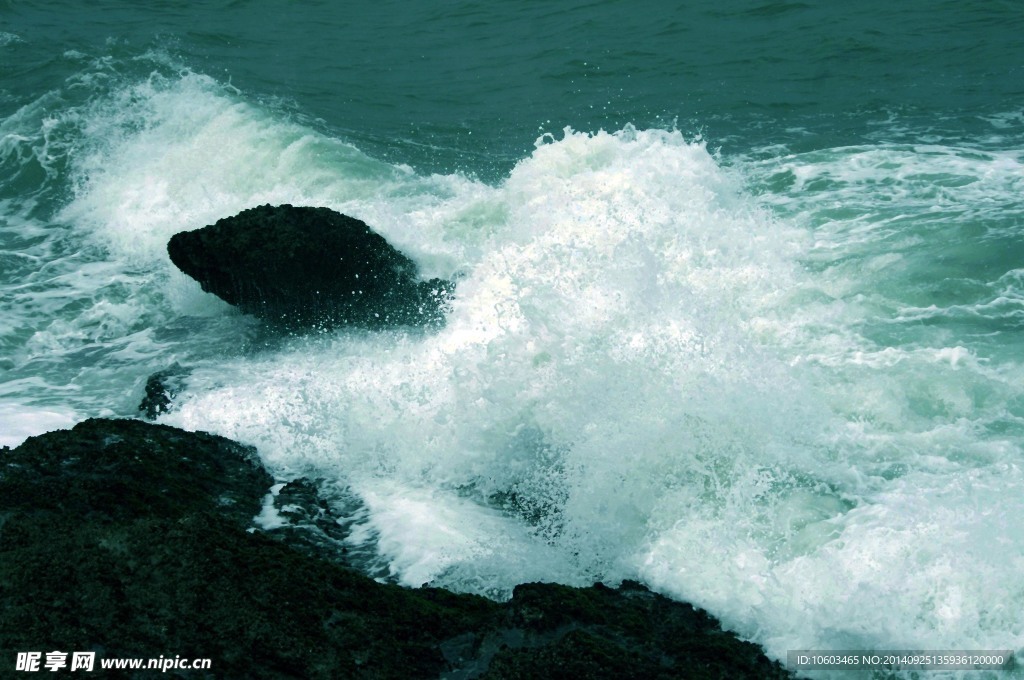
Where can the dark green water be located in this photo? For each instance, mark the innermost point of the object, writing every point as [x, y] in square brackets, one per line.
[466, 85]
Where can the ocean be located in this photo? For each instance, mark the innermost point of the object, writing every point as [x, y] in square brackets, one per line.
[740, 286]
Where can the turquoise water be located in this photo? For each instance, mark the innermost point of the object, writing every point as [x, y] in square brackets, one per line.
[740, 287]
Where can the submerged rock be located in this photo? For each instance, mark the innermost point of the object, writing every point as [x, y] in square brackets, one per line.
[301, 267]
[136, 540]
[298, 515]
[161, 388]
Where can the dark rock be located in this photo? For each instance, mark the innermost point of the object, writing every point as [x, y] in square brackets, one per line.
[310, 523]
[136, 540]
[124, 470]
[161, 388]
[628, 632]
[301, 267]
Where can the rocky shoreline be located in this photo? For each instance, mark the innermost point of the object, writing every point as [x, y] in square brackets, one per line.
[132, 539]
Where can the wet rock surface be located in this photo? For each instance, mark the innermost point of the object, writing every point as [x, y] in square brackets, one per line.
[161, 389]
[309, 268]
[137, 540]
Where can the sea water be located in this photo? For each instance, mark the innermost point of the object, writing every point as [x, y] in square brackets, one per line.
[739, 292]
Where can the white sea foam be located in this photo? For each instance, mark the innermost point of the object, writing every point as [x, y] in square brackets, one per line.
[624, 389]
[270, 517]
[645, 373]
[18, 423]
